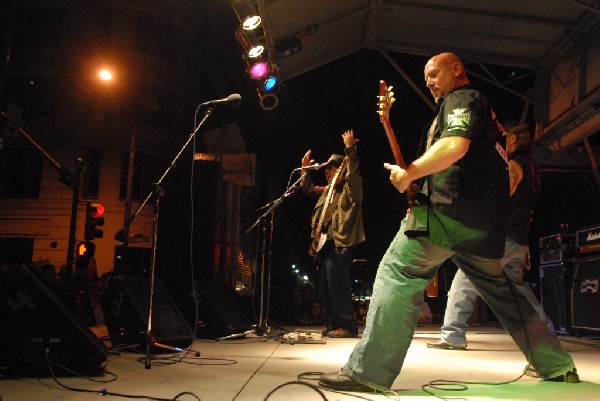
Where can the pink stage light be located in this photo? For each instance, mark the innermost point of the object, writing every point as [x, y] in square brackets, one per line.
[259, 70]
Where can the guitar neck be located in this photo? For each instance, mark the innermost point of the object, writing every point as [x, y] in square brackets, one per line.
[386, 98]
[341, 170]
[393, 144]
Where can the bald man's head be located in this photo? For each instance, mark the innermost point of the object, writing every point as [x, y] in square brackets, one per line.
[443, 73]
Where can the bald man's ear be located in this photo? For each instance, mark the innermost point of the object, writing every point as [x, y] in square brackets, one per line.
[457, 68]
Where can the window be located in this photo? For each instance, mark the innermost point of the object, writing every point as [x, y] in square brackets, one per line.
[91, 183]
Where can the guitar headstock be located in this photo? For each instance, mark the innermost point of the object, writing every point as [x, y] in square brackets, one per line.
[385, 100]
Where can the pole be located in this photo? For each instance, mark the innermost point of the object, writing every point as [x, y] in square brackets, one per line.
[124, 264]
[72, 230]
[75, 184]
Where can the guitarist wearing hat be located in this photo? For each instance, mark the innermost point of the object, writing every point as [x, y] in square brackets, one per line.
[337, 227]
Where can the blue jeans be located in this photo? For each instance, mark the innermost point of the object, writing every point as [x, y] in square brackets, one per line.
[403, 275]
[462, 295]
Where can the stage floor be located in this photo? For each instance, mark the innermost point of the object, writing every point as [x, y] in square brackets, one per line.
[249, 368]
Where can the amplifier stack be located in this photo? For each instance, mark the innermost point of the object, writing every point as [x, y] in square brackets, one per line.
[569, 280]
[585, 294]
[587, 241]
[556, 248]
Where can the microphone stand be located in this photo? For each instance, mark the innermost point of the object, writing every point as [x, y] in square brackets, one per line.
[262, 326]
[150, 341]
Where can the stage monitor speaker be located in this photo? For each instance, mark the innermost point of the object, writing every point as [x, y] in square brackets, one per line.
[36, 327]
[126, 304]
[585, 296]
[219, 313]
[554, 285]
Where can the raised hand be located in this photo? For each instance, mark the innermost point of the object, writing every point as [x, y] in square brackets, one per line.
[306, 160]
[349, 138]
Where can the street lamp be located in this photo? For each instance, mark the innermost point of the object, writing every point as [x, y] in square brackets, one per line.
[105, 75]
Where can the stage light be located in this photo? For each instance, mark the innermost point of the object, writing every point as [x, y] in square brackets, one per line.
[251, 22]
[247, 14]
[259, 70]
[256, 51]
[252, 43]
[268, 101]
[260, 54]
[271, 83]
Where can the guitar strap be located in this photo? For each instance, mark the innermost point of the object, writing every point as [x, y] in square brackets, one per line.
[431, 132]
[417, 221]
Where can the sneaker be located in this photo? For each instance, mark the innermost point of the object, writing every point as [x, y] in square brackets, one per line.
[342, 333]
[570, 377]
[441, 344]
[341, 381]
[531, 372]
[325, 331]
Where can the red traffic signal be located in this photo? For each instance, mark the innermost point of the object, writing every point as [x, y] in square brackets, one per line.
[94, 217]
[96, 210]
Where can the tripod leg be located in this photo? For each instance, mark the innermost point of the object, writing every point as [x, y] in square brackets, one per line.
[177, 349]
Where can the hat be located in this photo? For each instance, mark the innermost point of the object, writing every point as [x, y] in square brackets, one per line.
[514, 127]
[333, 159]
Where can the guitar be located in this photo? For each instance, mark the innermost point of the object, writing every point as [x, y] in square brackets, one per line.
[320, 237]
[385, 101]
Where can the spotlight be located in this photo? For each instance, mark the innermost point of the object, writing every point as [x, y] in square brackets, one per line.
[252, 44]
[271, 83]
[259, 70]
[268, 101]
[255, 51]
[260, 52]
[247, 14]
[251, 22]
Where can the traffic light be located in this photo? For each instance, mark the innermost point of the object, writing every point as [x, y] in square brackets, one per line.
[85, 249]
[94, 217]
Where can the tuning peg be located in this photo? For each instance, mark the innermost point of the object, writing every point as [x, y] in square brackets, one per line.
[390, 88]
[392, 100]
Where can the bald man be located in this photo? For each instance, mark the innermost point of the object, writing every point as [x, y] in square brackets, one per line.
[463, 179]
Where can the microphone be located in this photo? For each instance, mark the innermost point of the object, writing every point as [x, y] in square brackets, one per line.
[315, 166]
[233, 100]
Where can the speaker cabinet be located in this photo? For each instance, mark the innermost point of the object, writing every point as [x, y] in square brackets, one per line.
[126, 304]
[37, 326]
[585, 296]
[554, 286]
[219, 312]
